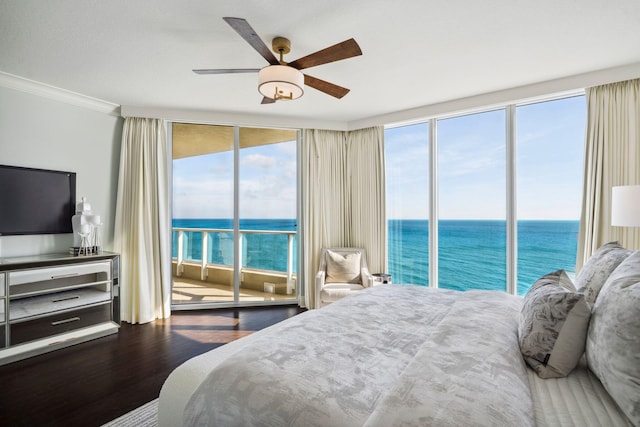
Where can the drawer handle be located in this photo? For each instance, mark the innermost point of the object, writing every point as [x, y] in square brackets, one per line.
[60, 322]
[62, 276]
[66, 299]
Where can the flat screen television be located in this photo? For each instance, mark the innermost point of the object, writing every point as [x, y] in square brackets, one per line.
[36, 201]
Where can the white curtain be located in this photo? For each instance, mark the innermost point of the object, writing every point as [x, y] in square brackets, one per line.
[343, 197]
[612, 158]
[367, 216]
[323, 189]
[142, 223]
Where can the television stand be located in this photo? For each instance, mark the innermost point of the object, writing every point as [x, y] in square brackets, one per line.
[53, 301]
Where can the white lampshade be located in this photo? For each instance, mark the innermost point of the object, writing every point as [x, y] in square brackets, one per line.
[280, 82]
[625, 206]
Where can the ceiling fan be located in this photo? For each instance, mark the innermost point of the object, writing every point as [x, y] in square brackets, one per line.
[281, 80]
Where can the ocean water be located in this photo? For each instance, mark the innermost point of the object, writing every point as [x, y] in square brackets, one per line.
[472, 253]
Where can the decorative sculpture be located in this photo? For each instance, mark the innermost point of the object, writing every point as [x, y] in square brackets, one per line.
[86, 230]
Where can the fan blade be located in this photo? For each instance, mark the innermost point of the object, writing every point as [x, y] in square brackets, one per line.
[346, 49]
[266, 100]
[226, 71]
[326, 87]
[243, 28]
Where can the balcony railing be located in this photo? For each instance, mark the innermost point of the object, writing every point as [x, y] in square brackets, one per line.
[262, 258]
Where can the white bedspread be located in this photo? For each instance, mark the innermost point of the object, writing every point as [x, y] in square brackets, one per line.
[390, 355]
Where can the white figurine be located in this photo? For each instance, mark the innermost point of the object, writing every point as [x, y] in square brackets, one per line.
[85, 225]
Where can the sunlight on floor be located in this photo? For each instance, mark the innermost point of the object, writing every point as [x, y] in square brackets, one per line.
[188, 291]
[211, 320]
[208, 336]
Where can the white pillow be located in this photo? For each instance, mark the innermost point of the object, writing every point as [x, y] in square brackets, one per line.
[553, 325]
[596, 271]
[343, 268]
[613, 343]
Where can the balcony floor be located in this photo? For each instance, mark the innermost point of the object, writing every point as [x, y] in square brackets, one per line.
[189, 291]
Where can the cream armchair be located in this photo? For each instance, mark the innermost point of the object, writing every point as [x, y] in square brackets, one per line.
[342, 271]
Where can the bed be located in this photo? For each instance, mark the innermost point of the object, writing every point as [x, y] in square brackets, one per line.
[410, 355]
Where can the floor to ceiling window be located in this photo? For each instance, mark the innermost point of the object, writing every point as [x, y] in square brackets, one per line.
[469, 195]
[267, 210]
[234, 215]
[407, 175]
[472, 210]
[550, 154]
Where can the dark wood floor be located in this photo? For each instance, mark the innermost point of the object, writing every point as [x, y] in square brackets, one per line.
[92, 383]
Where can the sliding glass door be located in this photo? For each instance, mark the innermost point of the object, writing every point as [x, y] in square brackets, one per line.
[203, 206]
[267, 212]
[234, 216]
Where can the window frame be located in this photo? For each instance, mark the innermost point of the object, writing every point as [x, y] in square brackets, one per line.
[510, 109]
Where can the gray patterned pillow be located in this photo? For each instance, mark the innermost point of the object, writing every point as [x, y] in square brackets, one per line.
[597, 270]
[613, 342]
[553, 325]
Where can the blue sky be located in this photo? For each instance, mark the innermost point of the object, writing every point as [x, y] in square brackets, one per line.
[471, 170]
[471, 164]
[203, 185]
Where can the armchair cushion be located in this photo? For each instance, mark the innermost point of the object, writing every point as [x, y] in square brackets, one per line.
[332, 292]
[343, 268]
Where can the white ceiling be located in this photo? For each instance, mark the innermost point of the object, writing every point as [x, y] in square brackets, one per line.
[415, 53]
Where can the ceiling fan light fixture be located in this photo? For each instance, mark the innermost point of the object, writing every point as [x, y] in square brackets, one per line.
[280, 82]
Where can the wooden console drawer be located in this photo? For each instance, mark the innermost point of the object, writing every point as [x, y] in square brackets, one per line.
[30, 330]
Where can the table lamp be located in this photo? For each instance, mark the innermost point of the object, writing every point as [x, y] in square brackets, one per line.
[625, 206]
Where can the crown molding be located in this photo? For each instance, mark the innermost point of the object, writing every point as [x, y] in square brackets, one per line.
[47, 91]
[564, 86]
[229, 118]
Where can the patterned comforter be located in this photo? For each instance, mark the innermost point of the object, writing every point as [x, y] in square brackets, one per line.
[390, 355]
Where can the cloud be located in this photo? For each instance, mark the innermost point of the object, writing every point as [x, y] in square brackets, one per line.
[467, 159]
[259, 161]
[203, 185]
